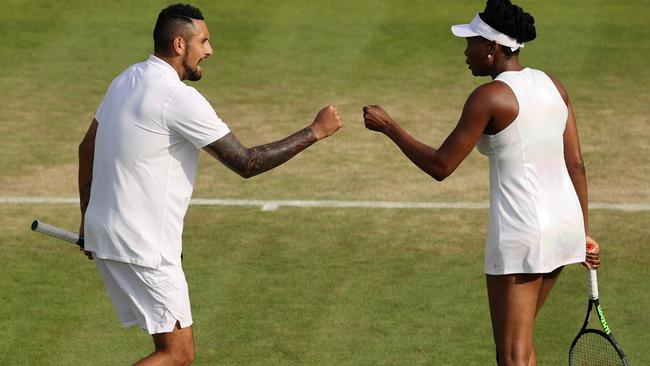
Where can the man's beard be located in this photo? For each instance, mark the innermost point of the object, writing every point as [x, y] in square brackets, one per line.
[190, 73]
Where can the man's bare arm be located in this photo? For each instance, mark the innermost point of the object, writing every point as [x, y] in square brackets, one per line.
[86, 156]
[248, 162]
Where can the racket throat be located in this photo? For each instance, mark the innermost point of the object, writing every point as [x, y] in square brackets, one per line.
[601, 317]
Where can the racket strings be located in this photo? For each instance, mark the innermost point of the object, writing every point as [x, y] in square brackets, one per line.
[592, 349]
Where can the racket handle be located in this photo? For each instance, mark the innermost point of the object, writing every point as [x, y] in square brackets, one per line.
[592, 284]
[53, 231]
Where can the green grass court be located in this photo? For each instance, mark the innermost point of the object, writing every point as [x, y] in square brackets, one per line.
[314, 286]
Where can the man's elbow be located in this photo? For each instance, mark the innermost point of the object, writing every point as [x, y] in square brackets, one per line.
[243, 170]
[238, 166]
[246, 174]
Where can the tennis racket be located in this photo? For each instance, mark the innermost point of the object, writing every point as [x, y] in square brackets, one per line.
[58, 233]
[595, 347]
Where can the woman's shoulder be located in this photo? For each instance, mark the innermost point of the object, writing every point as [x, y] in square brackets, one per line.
[560, 87]
[495, 96]
[492, 88]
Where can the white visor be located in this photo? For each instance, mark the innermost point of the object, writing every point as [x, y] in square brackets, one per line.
[479, 28]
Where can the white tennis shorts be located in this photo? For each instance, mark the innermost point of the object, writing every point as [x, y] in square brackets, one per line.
[155, 299]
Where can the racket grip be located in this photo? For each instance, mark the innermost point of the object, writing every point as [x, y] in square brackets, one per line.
[53, 231]
[592, 284]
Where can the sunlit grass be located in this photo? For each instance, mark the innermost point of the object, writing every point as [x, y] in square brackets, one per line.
[317, 286]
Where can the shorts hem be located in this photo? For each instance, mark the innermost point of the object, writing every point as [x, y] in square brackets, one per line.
[168, 328]
[130, 323]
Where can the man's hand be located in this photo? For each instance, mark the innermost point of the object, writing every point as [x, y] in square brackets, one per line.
[327, 122]
[81, 235]
[87, 253]
[376, 118]
[593, 254]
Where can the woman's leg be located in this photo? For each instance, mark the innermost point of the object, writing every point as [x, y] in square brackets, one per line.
[513, 305]
[548, 281]
[512, 298]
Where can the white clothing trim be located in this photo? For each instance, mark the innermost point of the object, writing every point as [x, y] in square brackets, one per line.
[479, 28]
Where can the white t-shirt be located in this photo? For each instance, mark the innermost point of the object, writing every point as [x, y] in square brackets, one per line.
[536, 220]
[151, 127]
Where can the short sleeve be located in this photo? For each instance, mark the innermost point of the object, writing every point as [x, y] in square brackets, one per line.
[190, 115]
[99, 114]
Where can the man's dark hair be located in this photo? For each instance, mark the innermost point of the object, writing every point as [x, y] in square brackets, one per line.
[175, 20]
[509, 19]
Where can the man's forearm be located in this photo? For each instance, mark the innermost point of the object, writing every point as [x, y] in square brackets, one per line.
[249, 162]
[84, 195]
[85, 177]
[85, 182]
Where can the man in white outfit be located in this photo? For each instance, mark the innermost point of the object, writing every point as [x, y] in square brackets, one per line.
[137, 165]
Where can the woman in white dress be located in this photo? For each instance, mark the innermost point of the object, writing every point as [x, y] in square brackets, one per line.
[524, 123]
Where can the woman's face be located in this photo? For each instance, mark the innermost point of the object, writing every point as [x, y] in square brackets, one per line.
[478, 56]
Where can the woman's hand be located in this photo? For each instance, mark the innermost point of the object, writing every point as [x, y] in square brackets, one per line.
[593, 254]
[376, 118]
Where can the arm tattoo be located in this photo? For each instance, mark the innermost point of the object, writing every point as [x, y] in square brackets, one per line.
[249, 162]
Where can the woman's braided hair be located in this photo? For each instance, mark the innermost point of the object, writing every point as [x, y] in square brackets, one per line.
[509, 19]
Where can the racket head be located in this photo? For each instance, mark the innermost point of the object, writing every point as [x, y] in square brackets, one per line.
[593, 347]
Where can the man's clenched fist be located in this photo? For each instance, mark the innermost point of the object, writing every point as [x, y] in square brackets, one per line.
[327, 122]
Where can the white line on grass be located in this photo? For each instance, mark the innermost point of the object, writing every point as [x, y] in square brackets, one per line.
[272, 205]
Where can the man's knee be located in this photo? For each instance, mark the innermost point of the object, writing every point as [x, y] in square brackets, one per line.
[178, 356]
[181, 351]
[178, 346]
[184, 357]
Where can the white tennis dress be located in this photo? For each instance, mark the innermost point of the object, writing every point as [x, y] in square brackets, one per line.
[535, 223]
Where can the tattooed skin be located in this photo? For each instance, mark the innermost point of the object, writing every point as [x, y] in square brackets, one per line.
[249, 162]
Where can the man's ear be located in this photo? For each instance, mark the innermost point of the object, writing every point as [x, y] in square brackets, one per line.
[179, 45]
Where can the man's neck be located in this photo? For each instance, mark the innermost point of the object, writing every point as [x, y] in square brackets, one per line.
[174, 62]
